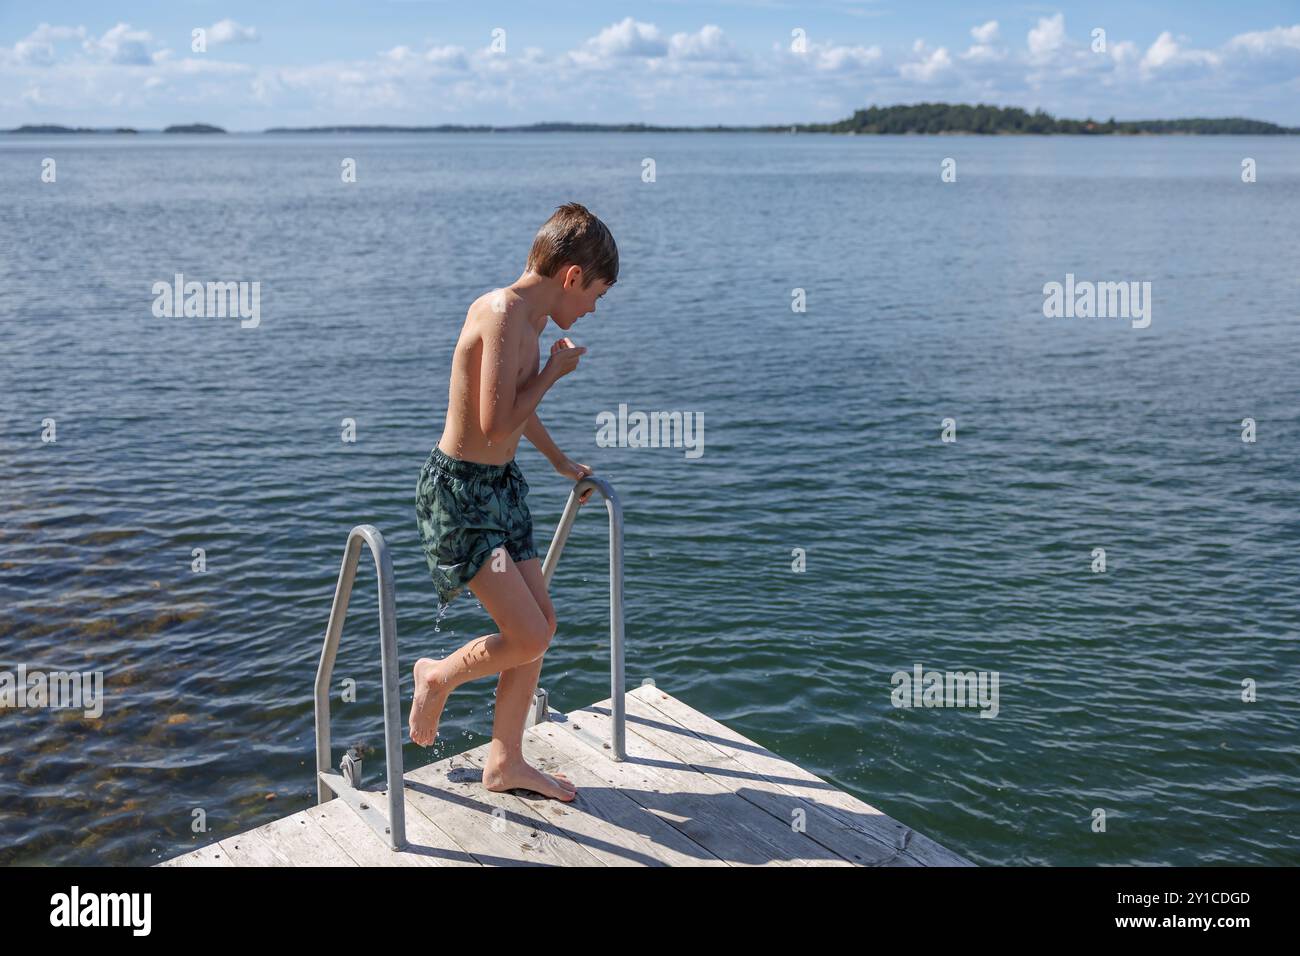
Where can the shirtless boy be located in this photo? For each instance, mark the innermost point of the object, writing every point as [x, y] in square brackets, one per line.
[475, 526]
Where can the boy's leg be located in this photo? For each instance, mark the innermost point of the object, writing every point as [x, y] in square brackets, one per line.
[515, 690]
[524, 636]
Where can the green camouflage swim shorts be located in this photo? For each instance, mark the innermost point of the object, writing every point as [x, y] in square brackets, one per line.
[465, 511]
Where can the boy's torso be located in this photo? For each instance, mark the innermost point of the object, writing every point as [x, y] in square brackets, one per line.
[462, 435]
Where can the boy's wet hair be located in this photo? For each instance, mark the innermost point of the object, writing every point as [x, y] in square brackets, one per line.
[574, 236]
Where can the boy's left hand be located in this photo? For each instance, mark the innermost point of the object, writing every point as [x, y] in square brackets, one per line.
[576, 471]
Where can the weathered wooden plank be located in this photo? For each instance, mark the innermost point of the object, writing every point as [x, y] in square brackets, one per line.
[609, 825]
[785, 807]
[210, 855]
[451, 794]
[713, 816]
[252, 849]
[359, 840]
[302, 841]
[795, 779]
[507, 805]
[777, 820]
[426, 839]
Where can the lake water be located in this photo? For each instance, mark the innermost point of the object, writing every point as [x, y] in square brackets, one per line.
[1119, 691]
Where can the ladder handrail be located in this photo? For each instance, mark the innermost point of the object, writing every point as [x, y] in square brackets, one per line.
[326, 780]
[615, 509]
[330, 783]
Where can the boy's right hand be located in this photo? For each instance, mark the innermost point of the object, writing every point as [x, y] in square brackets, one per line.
[564, 357]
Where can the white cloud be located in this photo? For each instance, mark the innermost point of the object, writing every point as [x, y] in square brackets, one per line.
[982, 50]
[1267, 42]
[1162, 52]
[122, 45]
[630, 42]
[1123, 52]
[985, 34]
[33, 53]
[1166, 53]
[37, 49]
[930, 65]
[436, 59]
[708, 44]
[628, 37]
[228, 31]
[827, 57]
[452, 57]
[1046, 38]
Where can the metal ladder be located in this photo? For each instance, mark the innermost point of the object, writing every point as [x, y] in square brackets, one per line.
[346, 781]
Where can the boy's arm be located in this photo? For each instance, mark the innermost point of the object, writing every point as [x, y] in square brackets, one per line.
[536, 433]
[502, 409]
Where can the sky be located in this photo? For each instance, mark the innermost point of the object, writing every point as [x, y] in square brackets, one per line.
[424, 62]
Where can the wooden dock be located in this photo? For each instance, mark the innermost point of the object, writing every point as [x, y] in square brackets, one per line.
[692, 792]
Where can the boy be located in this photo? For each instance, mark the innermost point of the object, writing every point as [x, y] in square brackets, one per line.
[475, 527]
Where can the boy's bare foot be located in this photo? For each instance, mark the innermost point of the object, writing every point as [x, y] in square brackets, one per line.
[430, 695]
[526, 777]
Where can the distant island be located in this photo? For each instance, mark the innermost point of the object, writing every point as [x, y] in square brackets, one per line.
[69, 129]
[995, 120]
[919, 118]
[47, 129]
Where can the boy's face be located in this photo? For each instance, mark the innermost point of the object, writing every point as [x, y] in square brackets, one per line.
[575, 301]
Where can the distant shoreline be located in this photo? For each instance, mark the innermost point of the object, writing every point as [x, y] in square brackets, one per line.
[57, 130]
[918, 119]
